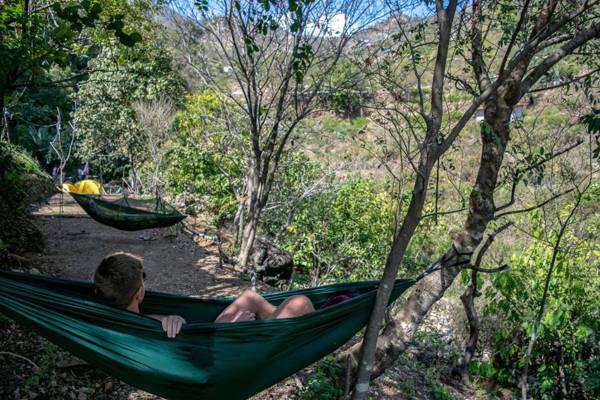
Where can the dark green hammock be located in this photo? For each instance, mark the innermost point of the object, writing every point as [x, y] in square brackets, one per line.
[206, 360]
[129, 214]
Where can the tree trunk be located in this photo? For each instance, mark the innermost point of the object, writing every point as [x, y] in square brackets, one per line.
[248, 236]
[254, 207]
[3, 118]
[561, 370]
[238, 222]
[132, 173]
[430, 152]
[397, 335]
[362, 351]
[468, 300]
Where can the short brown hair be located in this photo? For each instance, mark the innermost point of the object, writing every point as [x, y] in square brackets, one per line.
[118, 277]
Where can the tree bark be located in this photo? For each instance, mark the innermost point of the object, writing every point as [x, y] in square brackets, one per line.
[468, 300]
[407, 230]
[254, 207]
[238, 222]
[3, 118]
[248, 236]
[430, 152]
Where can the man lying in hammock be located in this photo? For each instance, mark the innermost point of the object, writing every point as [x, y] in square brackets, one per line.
[119, 280]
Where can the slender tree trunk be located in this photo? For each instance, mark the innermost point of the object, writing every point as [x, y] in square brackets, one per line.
[3, 126]
[468, 300]
[238, 222]
[429, 154]
[248, 236]
[132, 173]
[561, 370]
[364, 353]
[254, 208]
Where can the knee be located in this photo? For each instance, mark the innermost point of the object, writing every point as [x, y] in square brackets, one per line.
[301, 304]
[249, 296]
[247, 293]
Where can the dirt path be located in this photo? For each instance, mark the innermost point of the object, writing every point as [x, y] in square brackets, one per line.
[173, 261]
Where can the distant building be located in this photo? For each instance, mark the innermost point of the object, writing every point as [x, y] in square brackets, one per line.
[517, 114]
[479, 115]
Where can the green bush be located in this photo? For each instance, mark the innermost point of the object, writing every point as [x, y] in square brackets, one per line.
[344, 233]
[568, 337]
[321, 384]
[206, 161]
[21, 182]
[344, 91]
[110, 136]
[439, 392]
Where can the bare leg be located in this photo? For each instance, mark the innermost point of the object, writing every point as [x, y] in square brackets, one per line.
[248, 301]
[251, 302]
[294, 306]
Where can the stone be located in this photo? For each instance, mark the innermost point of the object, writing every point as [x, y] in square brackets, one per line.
[271, 262]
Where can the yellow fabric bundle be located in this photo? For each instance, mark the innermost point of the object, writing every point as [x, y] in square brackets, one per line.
[86, 186]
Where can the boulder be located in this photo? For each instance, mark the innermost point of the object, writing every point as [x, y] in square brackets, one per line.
[272, 263]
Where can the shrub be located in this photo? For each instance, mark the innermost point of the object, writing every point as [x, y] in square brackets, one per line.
[321, 384]
[21, 182]
[344, 233]
[206, 162]
[567, 341]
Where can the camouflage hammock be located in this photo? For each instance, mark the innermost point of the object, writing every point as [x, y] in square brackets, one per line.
[129, 214]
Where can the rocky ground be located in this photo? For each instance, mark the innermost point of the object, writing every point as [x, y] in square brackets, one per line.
[178, 262]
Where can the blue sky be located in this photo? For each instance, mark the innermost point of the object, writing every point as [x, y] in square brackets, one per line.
[419, 10]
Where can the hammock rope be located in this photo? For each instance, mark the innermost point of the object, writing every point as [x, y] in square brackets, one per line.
[206, 360]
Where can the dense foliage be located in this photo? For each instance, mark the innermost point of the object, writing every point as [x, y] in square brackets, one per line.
[565, 357]
[345, 91]
[35, 38]
[21, 182]
[47, 51]
[343, 233]
[205, 163]
[110, 136]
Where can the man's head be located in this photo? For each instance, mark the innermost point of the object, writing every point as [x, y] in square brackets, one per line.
[119, 279]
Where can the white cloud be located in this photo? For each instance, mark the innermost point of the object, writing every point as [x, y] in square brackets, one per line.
[327, 26]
